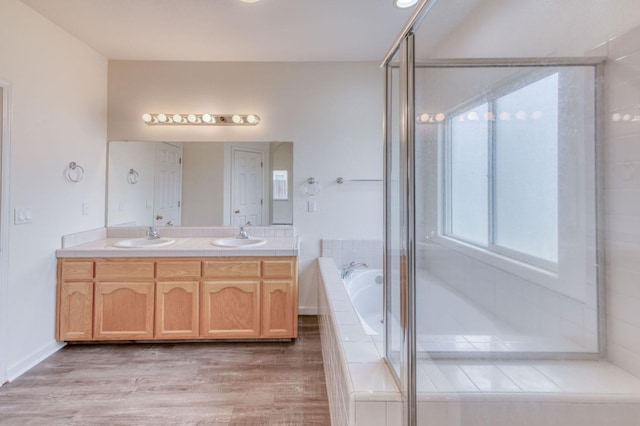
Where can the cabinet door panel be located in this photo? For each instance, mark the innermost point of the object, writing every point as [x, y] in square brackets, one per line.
[278, 310]
[178, 269]
[279, 268]
[76, 311]
[82, 270]
[226, 268]
[231, 309]
[124, 310]
[124, 270]
[177, 310]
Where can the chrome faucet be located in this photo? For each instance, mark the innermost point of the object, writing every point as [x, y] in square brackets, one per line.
[347, 271]
[152, 234]
[244, 235]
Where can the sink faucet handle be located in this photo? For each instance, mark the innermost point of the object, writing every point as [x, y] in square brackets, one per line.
[152, 233]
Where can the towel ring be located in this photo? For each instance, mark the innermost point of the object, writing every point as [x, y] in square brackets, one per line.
[75, 172]
[133, 177]
[311, 187]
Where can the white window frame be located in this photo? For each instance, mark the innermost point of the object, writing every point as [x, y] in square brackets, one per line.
[543, 269]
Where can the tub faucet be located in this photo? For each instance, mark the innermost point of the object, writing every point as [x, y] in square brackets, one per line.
[347, 271]
[244, 235]
[152, 234]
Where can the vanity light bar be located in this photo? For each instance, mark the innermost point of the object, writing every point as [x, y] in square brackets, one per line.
[201, 119]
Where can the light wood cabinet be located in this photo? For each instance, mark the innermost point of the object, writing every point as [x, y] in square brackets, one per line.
[231, 309]
[177, 298]
[177, 311]
[124, 310]
[76, 311]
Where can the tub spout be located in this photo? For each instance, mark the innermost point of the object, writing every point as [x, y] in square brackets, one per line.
[347, 271]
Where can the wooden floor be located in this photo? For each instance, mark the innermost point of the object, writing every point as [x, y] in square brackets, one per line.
[175, 384]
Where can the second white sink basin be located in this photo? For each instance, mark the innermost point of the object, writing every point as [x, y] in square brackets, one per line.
[143, 243]
[238, 242]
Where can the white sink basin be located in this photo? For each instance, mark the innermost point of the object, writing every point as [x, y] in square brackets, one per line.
[238, 242]
[143, 243]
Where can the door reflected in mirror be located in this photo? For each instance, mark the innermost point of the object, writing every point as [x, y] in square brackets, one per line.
[199, 183]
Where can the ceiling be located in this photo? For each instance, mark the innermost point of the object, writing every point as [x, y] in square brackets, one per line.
[230, 30]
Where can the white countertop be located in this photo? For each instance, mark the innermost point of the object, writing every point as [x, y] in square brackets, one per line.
[182, 247]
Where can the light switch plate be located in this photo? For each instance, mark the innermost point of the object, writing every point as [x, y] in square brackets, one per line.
[22, 216]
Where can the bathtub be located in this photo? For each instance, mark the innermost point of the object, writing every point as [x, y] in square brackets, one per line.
[365, 290]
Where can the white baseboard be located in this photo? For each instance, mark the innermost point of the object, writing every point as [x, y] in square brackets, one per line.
[27, 363]
[307, 310]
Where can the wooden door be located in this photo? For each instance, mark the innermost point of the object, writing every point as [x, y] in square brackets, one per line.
[76, 311]
[167, 192]
[124, 310]
[247, 188]
[230, 309]
[177, 310]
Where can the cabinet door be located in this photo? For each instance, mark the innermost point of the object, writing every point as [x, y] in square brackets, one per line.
[124, 310]
[76, 311]
[177, 311]
[230, 309]
[279, 308]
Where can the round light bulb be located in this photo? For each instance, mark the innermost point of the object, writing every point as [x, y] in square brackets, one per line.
[177, 118]
[236, 119]
[473, 116]
[423, 118]
[191, 118]
[162, 118]
[616, 117]
[147, 118]
[440, 117]
[504, 116]
[626, 117]
[521, 115]
[536, 115]
[207, 118]
[403, 4]
[252, 119]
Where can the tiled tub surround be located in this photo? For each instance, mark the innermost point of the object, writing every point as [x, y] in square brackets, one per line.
[462, 393]
[344, 252]
[281, 241]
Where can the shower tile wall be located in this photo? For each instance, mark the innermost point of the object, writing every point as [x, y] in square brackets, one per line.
[346, 251]
[622, 197]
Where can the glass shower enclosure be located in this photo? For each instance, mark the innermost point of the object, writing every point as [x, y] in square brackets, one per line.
[491, 219]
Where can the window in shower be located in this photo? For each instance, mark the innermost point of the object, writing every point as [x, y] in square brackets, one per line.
[501, 172]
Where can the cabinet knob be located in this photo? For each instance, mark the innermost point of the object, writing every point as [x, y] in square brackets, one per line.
[236, 211]
[158, 217]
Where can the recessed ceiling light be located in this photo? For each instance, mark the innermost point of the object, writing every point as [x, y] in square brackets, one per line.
[249, 1]
[403, 3]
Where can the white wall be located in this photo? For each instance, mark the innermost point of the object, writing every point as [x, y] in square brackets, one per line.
[331, 111]
[59, 115]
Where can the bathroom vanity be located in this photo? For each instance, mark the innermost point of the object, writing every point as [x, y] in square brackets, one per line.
[190, 290]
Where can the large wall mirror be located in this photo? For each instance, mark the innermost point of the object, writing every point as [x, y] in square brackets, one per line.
[199, 183]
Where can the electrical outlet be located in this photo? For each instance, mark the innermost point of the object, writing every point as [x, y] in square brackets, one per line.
[85, 209]
[311, 205]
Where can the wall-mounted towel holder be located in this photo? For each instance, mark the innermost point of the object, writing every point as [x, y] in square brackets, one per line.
[342, 180]
[75, 172]
[311, 187]
[133, 177]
